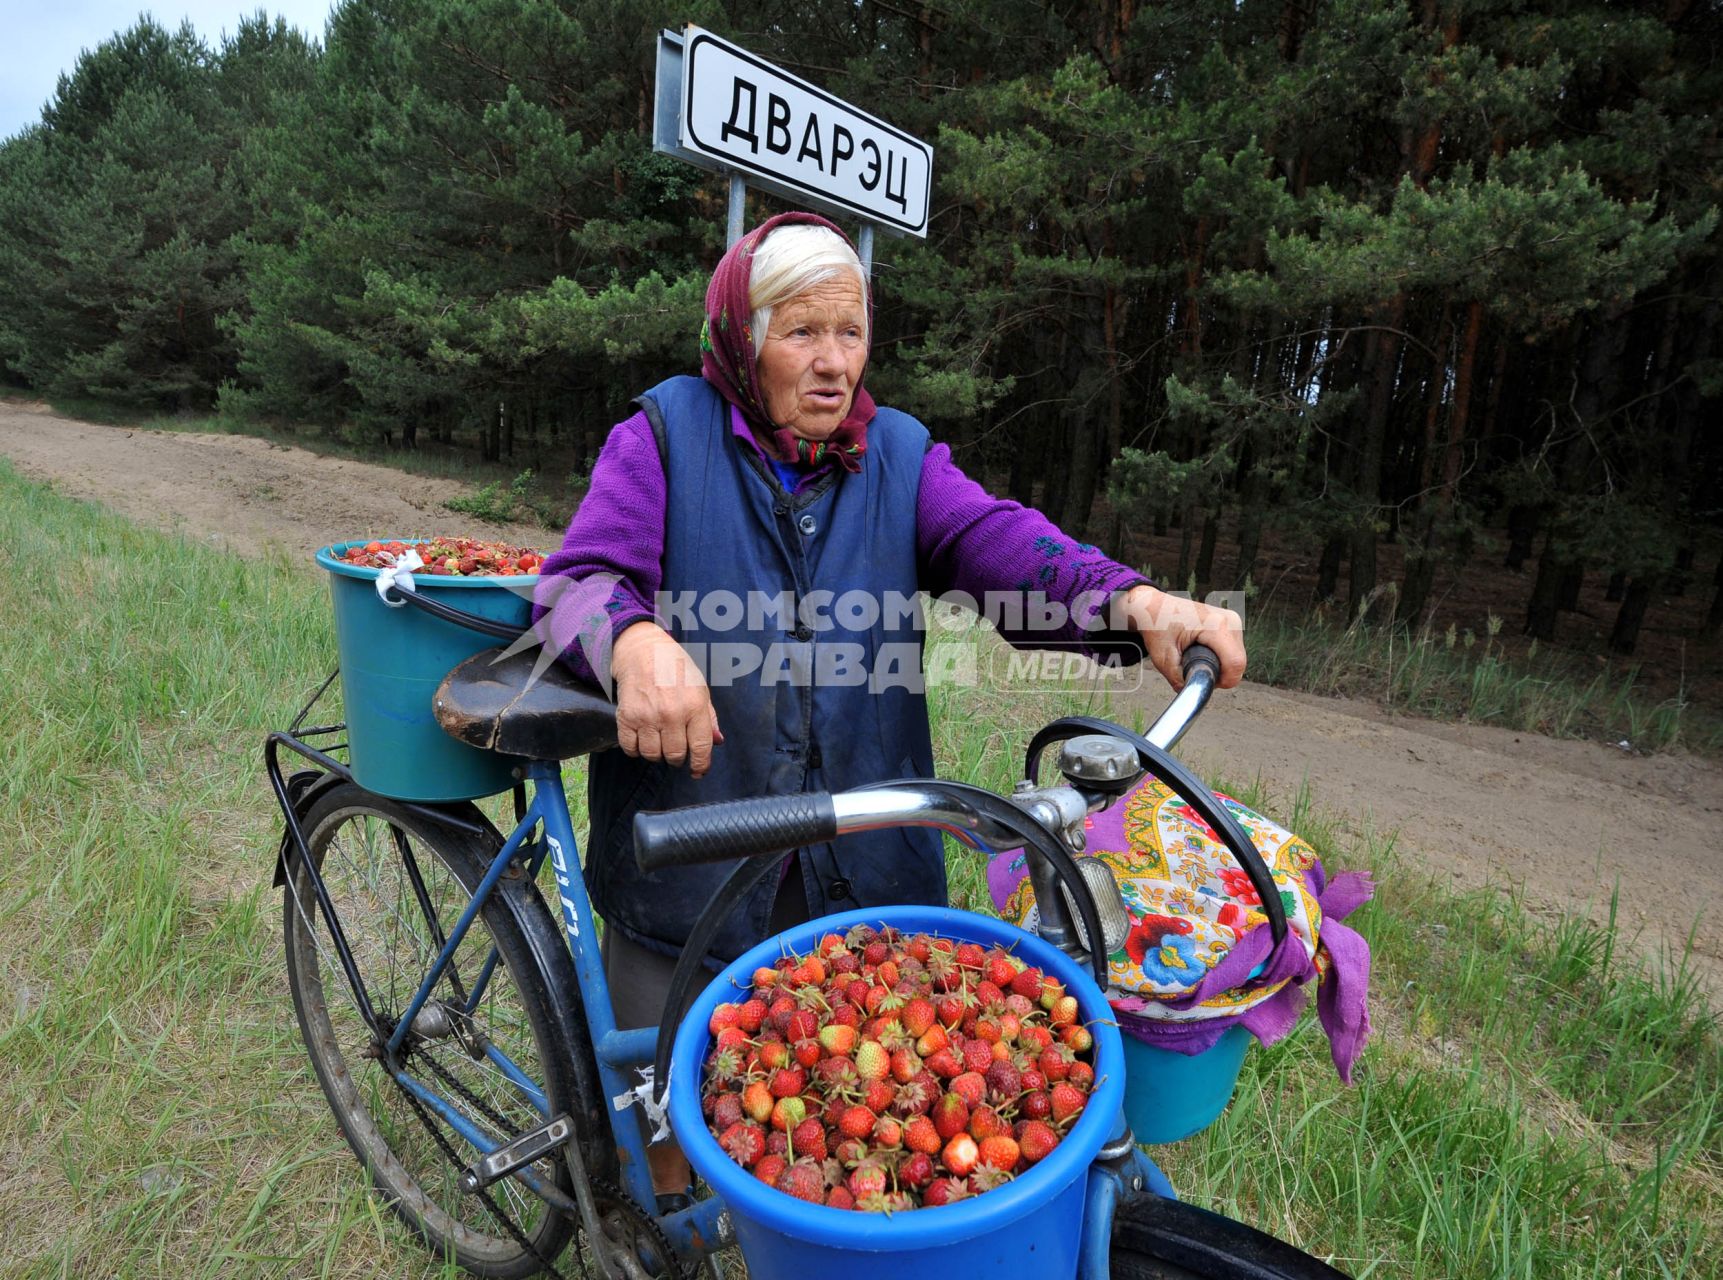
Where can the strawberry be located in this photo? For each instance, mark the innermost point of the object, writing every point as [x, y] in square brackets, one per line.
[757, 1101]
[726, 1111]
[920, 1135]
[917, 1171]
[1000, 1151]
[840, 1198]
[918, 1017]
[971, 1086]
[751, 1015]
[961, 1155]
[887, 1133]
[809, 1139]
[1037, 1141]
[1010, 1027]
[932, 1041]
[769, 1168]
[806, 1052]
[1082, 1075]
[867, 1178]
[724, 1016]
[805, 1180]
[1000, 969]
[984, 1123]
[1067, 1101]
[878, 1095]
[856, 1122]
[830, 944]
[1077, 1038]
[945, 1063]
[989, 995]
[950, 1009]
[850, 1152]
[744, 1142]
[1035, 1105]
[1036, 1037]
[987, 1029]
[977, 1055]
[905, 1065]
[1004, 1081]
[835, 1038]
[788, 1113]
[773, 1054]
[845, 1015]
[944, 1191]
[1020, 1005]
[787, 1082]
[1063, 1011]
[1055, 1062]
[801, 1025]
[919, 947]
[1027, 983]
[914, 1098]
[872, 1061]
[950, 1116]
[970, 955]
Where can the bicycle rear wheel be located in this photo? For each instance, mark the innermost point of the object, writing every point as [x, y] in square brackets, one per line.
[367, 849]
[1158, 1239]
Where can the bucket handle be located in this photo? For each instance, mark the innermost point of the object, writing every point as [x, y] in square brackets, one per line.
[460, 617]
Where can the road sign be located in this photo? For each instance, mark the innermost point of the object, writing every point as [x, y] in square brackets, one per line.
[736, 113]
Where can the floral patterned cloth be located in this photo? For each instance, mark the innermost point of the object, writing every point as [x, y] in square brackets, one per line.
[1198, 958]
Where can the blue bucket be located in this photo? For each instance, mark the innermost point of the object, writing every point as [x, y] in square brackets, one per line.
[392, 661]
[1027, 1228]
[1169, 1096]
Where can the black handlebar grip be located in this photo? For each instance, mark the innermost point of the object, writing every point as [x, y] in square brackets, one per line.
[732, 829]
[1199, 655]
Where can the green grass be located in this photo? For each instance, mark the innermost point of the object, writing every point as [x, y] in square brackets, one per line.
[1532, 1104]
[1454, 675]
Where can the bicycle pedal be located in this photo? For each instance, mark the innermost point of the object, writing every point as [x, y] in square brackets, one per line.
[532, 1145]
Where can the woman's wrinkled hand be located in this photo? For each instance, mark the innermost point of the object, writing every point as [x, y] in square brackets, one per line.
[663, 709]
[1169, 625]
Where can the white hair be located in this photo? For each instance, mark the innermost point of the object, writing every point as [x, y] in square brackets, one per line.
[792, 260]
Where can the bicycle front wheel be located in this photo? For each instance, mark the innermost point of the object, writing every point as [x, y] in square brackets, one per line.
[496, 1022]
[1157, 1239]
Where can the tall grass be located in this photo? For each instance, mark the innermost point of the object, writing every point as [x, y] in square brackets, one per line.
[1532, 1104]
[1460, 675]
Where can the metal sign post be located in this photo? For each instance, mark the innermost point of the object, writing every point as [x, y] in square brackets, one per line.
[721, 108]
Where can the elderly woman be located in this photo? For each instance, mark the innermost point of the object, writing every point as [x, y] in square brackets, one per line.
[769, 484]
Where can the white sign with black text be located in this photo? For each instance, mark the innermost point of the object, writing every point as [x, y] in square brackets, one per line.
[783, 132]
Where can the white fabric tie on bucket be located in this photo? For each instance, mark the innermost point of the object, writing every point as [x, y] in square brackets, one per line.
[399, 574]
[657, 1113]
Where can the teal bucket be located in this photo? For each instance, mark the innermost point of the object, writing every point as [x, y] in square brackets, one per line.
[1169, 1096]
[1028, 1228]
[393, 659]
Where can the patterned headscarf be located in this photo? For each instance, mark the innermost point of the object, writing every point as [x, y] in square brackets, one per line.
[727, 358]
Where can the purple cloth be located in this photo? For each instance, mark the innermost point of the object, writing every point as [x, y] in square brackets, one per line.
[1341, 1002]
[610, 566]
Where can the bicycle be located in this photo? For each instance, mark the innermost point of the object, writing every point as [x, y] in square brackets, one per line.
[465, 1041]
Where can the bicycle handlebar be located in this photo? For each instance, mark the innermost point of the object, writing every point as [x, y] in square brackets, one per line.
[732, 829]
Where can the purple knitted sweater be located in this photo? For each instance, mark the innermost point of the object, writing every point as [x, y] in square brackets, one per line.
[966, 541]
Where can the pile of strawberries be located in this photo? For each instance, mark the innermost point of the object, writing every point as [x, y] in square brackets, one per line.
[886, 1072]
[449, 557]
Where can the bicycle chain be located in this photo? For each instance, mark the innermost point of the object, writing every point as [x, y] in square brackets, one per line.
[605, 1192]
[454, 1159]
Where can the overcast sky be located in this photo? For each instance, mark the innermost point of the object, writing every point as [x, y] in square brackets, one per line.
[44, 38]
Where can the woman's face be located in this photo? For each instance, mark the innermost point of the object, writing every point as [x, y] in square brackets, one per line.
[812, 357]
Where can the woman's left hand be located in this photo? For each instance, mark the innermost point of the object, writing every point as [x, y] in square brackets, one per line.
[1169, 625]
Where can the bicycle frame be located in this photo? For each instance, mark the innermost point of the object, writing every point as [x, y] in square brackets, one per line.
[1119, 1170]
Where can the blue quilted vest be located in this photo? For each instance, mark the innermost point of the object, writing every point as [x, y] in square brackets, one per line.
[732, 533]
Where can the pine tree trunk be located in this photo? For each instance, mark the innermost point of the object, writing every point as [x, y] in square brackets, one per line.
[1617, 584]
[1328, 568]
[1205, 553]
[1631, 616]
[1714, 617]
[1523, 524]
[1541, 611]
[1382, 365]
[1567, 592]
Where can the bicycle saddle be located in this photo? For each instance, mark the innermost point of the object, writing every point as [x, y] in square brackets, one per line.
[494, 703]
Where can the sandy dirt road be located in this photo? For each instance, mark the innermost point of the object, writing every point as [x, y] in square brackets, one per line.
[1565, 822]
